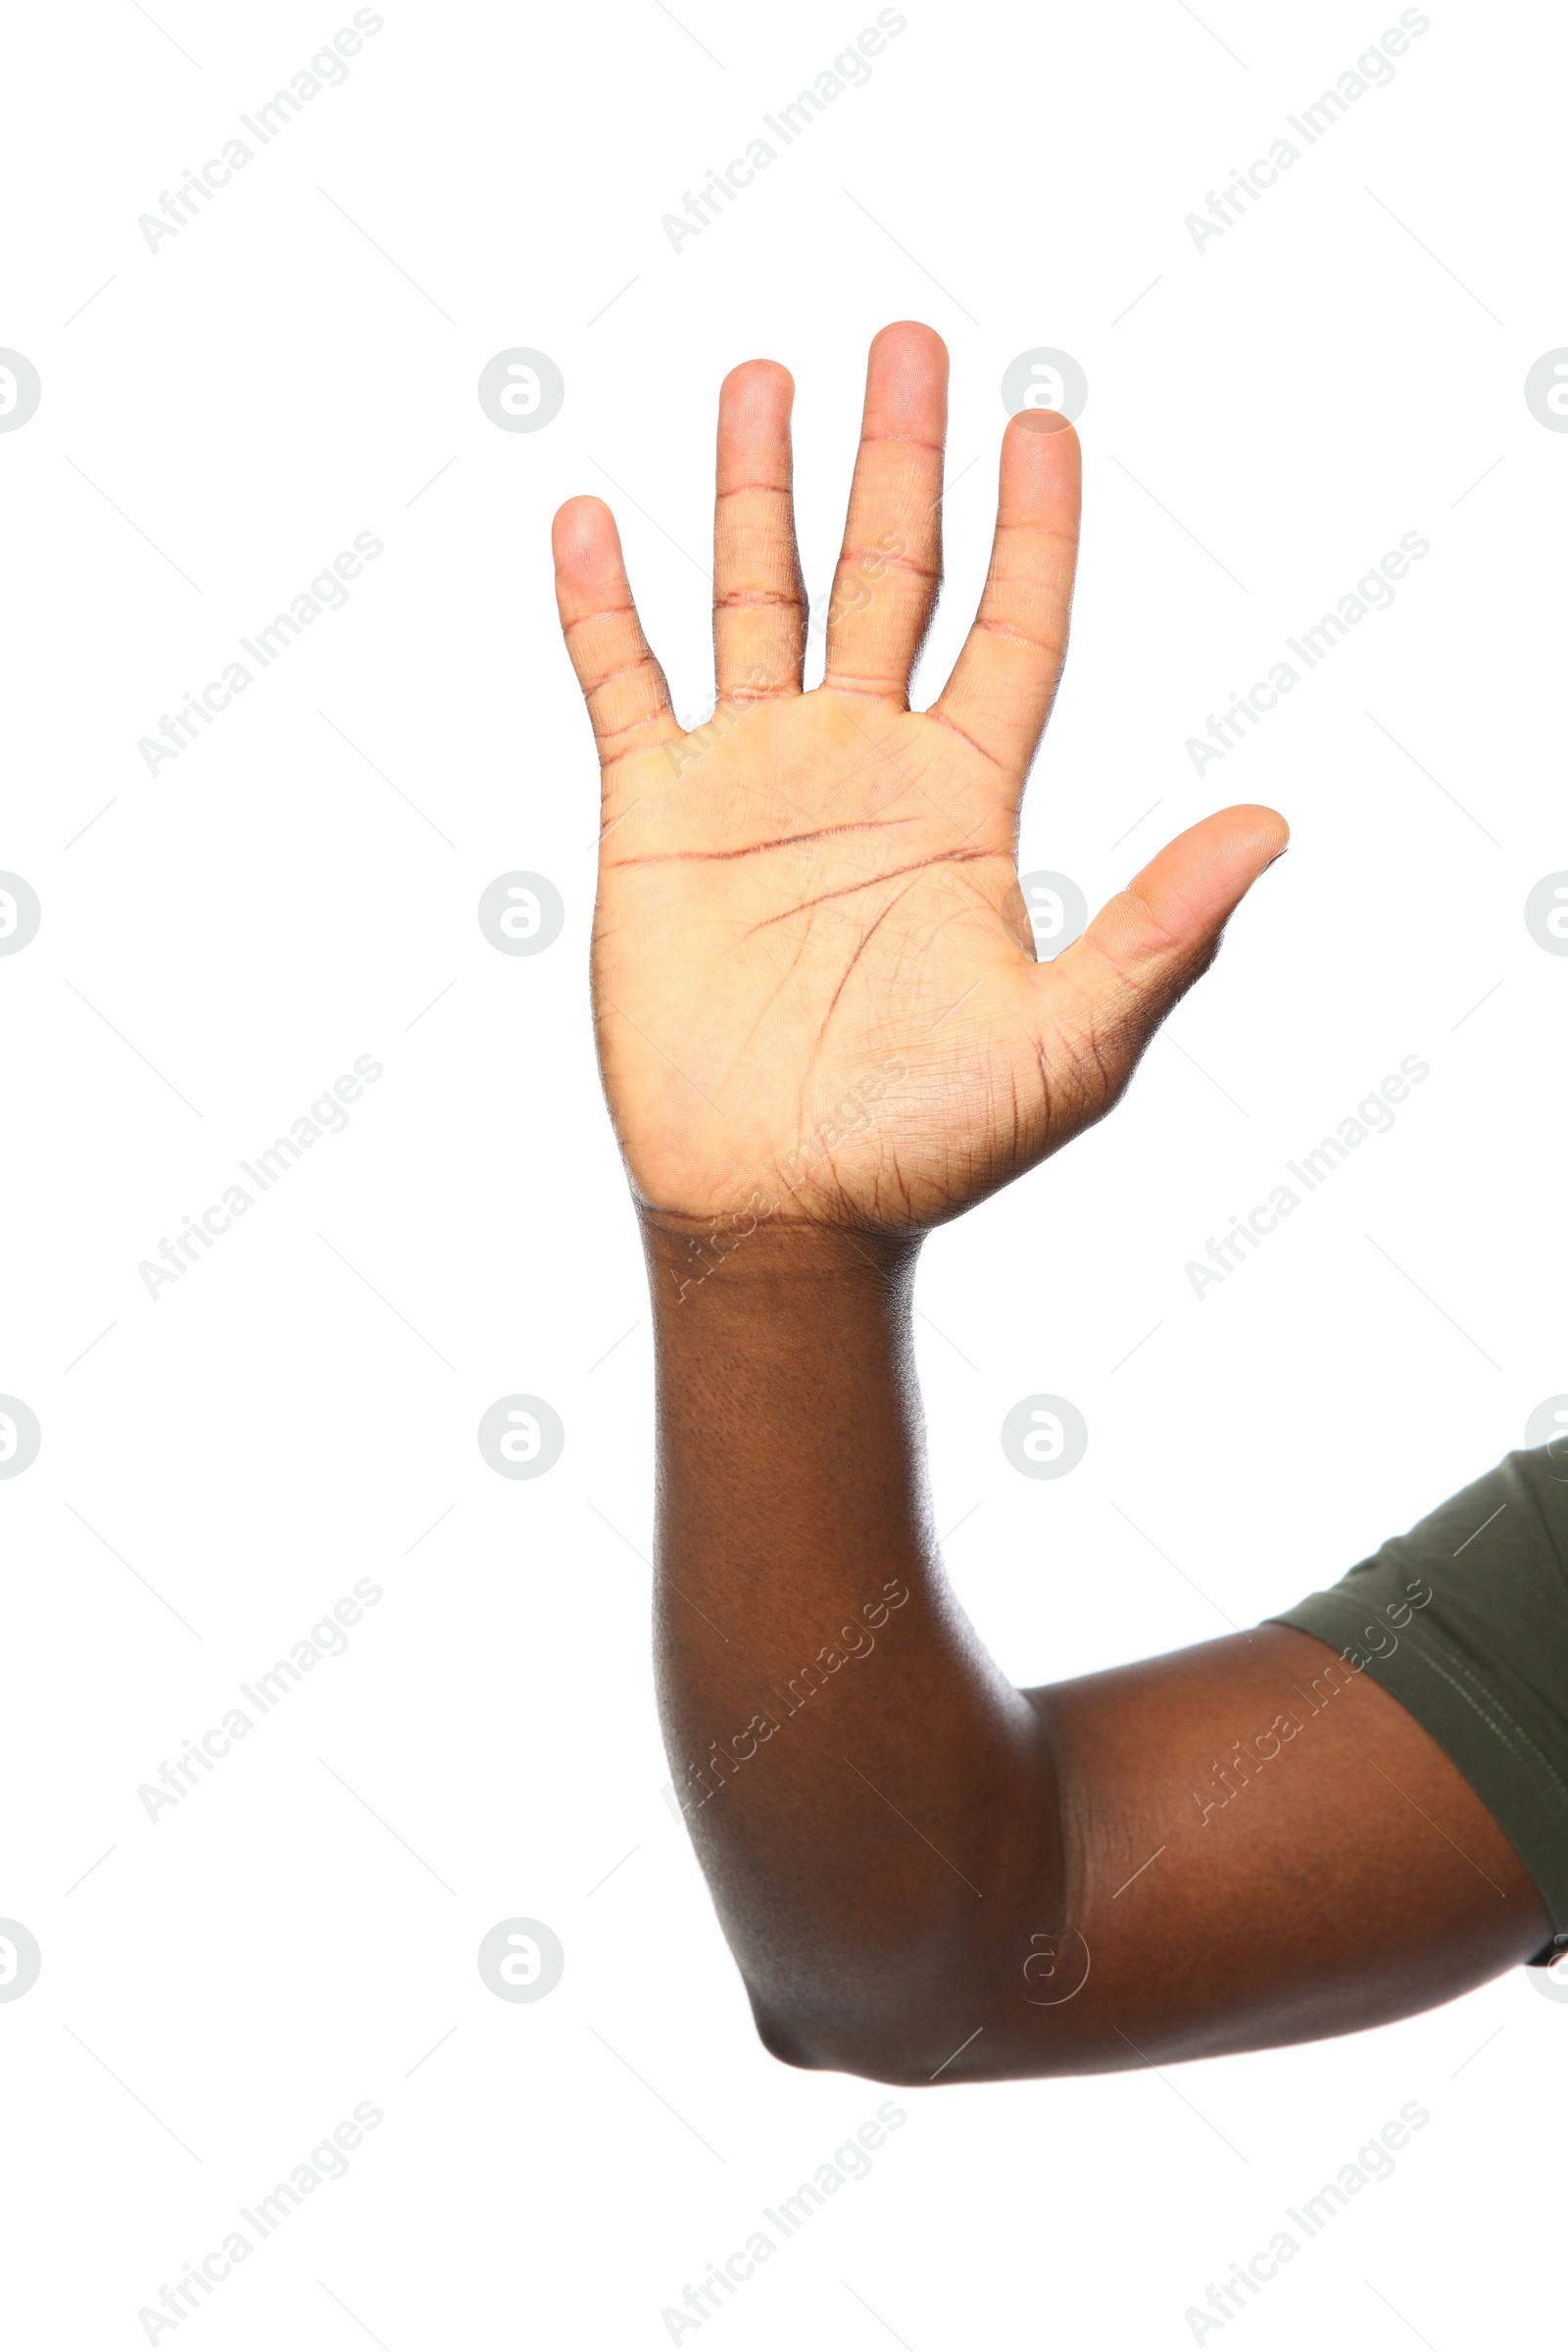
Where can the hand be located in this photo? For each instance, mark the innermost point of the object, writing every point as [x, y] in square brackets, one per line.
[814, 979]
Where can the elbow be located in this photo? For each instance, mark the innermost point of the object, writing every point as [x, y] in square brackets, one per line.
[795, 2035]
[787, 2035]
[832, 2036]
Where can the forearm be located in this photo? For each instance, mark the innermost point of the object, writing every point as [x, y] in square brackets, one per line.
[862, 1785]
[905, 1851]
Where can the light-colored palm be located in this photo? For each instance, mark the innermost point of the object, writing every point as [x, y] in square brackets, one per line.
[814, 980]
[812, 970]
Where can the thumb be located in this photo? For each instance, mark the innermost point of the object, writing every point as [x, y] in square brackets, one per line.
[1148, 943]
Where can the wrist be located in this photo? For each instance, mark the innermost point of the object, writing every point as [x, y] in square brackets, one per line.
[793, 1354]
[760, 1261]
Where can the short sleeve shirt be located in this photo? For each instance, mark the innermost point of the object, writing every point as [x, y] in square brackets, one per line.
[1464, 1621]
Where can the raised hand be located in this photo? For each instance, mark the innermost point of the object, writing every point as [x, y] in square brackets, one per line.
[814, 979]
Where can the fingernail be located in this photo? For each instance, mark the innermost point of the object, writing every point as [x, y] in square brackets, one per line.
[1042, 421]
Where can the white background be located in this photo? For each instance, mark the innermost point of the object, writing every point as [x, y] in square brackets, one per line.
[1343, 365]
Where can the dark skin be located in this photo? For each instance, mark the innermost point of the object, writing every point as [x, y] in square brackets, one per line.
[923, 1872]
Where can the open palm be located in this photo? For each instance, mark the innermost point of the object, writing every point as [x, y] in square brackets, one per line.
[814, 979]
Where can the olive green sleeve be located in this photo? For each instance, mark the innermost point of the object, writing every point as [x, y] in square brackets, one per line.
[1464, 1621]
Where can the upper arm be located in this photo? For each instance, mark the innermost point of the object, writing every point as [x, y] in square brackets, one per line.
[1236, 1846]
[1260, 1846]
[1321, 1824]
[1337, 1819]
